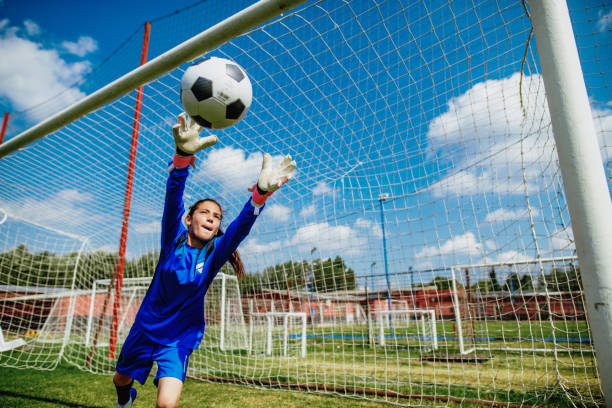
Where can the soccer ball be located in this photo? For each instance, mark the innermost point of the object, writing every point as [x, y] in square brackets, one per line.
[216, 93]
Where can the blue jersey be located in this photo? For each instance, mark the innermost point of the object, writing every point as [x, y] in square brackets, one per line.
[172, 311]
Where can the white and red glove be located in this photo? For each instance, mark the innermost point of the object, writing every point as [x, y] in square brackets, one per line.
[188, 141]
[271, 179]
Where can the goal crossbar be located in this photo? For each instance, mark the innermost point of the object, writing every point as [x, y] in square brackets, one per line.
[218, 34]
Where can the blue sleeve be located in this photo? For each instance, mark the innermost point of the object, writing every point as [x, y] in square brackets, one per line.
[234, 235]
[173, 206]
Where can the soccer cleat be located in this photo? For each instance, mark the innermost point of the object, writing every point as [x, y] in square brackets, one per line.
[128, 404]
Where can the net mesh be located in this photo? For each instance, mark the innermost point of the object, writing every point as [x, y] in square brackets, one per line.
[427, 180]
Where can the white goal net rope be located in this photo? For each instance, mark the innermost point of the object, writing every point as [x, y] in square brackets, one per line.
[427, 182]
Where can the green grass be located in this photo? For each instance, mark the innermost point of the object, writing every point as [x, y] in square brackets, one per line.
[67, 386]
[342, 357]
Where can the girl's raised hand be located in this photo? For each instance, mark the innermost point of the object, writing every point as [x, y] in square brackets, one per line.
[270, 179]
[187, 137]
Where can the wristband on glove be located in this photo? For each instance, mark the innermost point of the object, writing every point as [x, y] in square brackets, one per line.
[180, 162]
[259, 196]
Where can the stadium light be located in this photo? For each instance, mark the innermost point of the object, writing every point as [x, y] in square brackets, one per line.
[381, 199]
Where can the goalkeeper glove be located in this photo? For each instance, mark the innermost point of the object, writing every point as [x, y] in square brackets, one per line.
[188, 141]
[270, 179]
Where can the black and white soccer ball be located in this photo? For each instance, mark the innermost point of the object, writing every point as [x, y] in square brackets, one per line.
[216, 93]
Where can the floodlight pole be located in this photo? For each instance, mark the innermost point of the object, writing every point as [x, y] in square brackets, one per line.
[312, 287]
[381, 199]
[372, 278]
[584, 180]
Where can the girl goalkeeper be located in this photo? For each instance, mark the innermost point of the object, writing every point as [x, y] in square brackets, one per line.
[170, 322]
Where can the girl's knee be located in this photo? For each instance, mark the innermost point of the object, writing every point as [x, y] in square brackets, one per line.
[167, 402]
[121, 380]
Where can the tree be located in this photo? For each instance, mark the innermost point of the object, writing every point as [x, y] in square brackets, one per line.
[333, 275]
[562, 279]
[443, 283]
[495, 287]
[329, 275]
[515, 282]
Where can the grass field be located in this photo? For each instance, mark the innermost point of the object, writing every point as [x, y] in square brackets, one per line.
[67, 386]
[341, 357]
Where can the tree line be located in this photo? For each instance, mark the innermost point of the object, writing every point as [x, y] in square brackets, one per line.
[560, 279]
[21, 267]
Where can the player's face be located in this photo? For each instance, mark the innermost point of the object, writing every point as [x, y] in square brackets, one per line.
[205, 221]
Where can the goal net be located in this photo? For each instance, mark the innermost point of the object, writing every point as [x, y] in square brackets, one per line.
[424, 146]
[225, 323]
[407, 328]
[524, 307]
[278, 334]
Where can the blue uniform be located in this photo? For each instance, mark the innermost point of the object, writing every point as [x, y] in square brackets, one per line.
[172, 312]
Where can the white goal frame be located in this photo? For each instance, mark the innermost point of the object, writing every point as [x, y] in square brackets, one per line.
[146, 281]
[424, 317]
[143, 284]
[463, 349]
[270, 328]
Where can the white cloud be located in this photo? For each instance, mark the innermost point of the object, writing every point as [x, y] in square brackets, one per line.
[605, 21]
[66, 208]
[490, 245]
[277, 212]
[467, 183]
[31, 74]
[482, 129]
[252, 247]
[465, 244]
[340, 238]
[153, 227]
[232, 168]
[308, 211]
[31, 27]
[512, 257]
[503, 214]
[374, 227]
[562, 240]
[4, 23]
[82, 47]
[322, 188]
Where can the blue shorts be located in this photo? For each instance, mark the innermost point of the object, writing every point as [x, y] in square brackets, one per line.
[139, 352]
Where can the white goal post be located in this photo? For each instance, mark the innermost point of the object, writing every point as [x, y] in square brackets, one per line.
[423, 320]
[269, 320]
[225, 324]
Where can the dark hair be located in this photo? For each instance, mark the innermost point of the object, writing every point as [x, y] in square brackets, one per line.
[235, 259]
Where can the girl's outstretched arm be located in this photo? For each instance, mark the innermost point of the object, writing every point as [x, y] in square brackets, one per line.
[188, 142]
[270, 179]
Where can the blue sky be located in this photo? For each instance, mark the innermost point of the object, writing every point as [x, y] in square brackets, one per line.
[369, 99]
[84, 34]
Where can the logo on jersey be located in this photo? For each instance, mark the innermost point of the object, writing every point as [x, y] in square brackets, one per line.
[199, 267]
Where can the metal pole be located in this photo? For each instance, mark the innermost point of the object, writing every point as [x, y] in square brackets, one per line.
[311, 308]
[4, 123]
[381, 199]
[239, 23]
[128, 197]
[586, 189]
[372, 278]
[368, 319]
